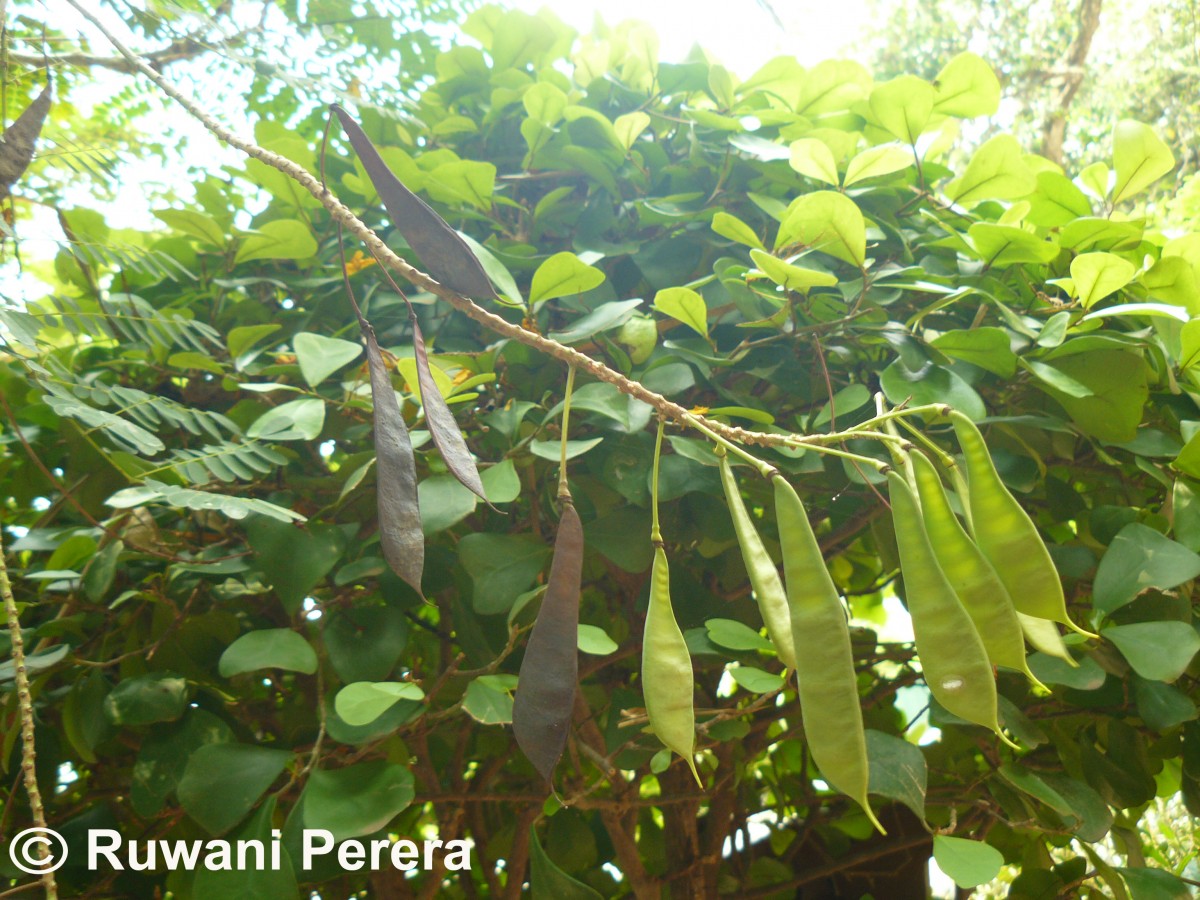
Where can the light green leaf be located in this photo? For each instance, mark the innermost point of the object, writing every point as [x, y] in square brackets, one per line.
[544, 102]
[278, 239]
[967, 87]
[829, 222]
[735, 635]
[500, 482]
[1095, 179]
[1158, 651]
[875, 161]
[194, 224]
[562, 274]
[552, 450]
[729, 226]
[604, 317]
[684, 305]
[242, 338]
[987, 347]
[270, 648]
[320, 356]
[897, 770]
[997, 171]
[1140, 158]
[968, 863]
[790, 276]
[362, 702]
[813, 159]
[1174, 280]
[463, 181]
[1096, 275]
[756, 680]
[630, 126]
[903, 106]
[1057, 201]
[486, 704]
[595, 641]
[1119, 390]
[296, 420]
[496, 271]
[1138, 558]
[1004, 245]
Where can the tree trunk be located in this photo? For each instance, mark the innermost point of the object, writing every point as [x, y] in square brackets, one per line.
[1055, 129]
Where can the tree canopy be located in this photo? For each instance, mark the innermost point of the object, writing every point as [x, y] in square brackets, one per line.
[791, 278]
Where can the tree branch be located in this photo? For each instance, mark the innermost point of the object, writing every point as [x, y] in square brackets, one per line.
[346, 218]
[1072, 74]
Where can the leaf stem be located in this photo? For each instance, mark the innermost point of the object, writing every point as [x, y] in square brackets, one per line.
[655, 534]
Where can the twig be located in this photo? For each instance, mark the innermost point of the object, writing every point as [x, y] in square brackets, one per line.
[25, 708]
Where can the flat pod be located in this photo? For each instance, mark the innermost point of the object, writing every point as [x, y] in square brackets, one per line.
[667, 679]
[443, 253]
[1007, 536]
[19, 139]
[546, 684]
[400, 533]
[447, 436]
[825, 676]
[764, 577]
[979, 588]
[953, 658]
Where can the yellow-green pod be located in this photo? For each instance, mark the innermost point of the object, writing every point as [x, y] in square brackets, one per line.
[978, 586]
[1007, 536]
[829, 701]
[953, 659]
[667, 680]
[764, 577]
[1043, 635]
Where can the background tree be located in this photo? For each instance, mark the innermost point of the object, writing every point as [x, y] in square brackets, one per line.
[216, 645]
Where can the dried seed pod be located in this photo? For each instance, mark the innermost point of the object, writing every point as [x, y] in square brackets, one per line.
[400, 532]
[546, 684]
[17, 142]
[444, 254]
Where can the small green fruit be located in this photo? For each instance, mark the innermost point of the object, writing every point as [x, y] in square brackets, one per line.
[639, 336]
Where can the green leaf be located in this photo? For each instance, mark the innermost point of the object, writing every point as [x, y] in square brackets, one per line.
[1172, 279]
[222, 782]
[547, 881]
[1057, 201]
[997, 171]
[1158, 651]
[496, 271]
[146, 699]
[444, 502]
[791, 277]
[486, 704]
[463, 181]
[163, 756]
[502, 567]
[357, 800]
[684, 305]
[278, 239]
[362, 702]
[756, 680]
[251, 883]
[897, 770]
[903, 106]
[1005, 245]
[562, 274]
[1154, 884]
[829, 222]
[1119, 390]
[1140, 158]
[1096, 275]
[595, 641]
[552, 450]
[604, 317]
[270, 648]
[930, 384]
[1086, 676]
[968, 863]
[1095, 179]
[194, 224]
[966, 87]
[320, 356]
[876, 161]
[730, 226]
[1162, 706]
[365, 642]
[814, 159]
[242, 338]
[630, 126]
[296, 420]
[987, 347]
[1139, 558]
[294, 559]
[544, 102]
[500, 482]
[736, 636]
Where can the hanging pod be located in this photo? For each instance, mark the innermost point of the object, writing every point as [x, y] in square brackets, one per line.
[443, 428]
[828, 685]
[953, 659]
[764, 577]
[979, 588]
[400, 533]
[443, 253]
[1043, 635]
[546, 683]
[667, 679]
[1007, 536]
[19, 140]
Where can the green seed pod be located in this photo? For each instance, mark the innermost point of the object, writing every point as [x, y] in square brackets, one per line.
[953, 658]
[1007, 536]
[978, 586]
[828, 685]
[764, 577]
